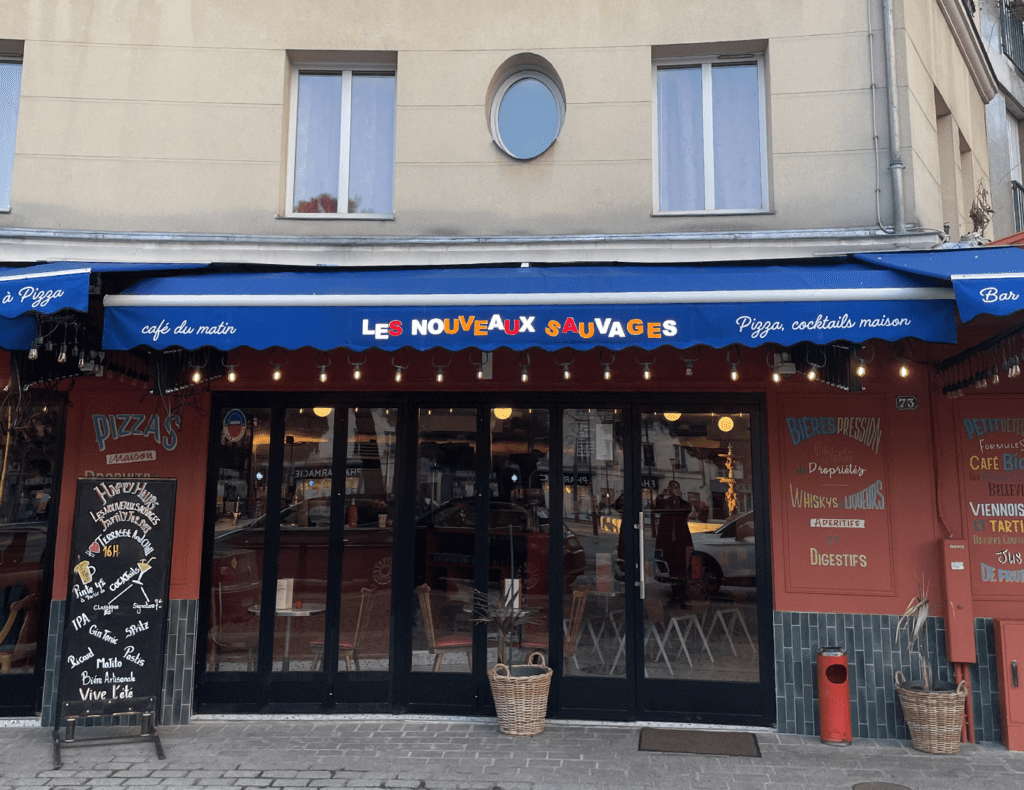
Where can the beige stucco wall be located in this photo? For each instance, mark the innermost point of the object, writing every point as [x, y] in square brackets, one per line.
[933, 63]
[172, 116]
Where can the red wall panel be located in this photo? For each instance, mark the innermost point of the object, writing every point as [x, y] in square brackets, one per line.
[114, 429]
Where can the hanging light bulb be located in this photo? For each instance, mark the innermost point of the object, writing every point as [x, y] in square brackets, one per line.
[440, 364]
[689, 367]
[232, 376]
[357, 373]
[904, 369]
[399, 368]
[734, 372]
[565, 371]
[812, 374]
[776, 376]
[197, 375]
[647, 371]
[277, 373]
[479, 371]
[33, 351]
[524, 367]
[62, 355]
[861, 369]
[607, 371]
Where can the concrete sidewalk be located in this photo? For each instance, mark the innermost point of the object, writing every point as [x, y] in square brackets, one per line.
[461, 754]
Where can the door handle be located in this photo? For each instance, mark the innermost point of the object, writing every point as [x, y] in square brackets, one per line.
[1013, 672]
[643, 565]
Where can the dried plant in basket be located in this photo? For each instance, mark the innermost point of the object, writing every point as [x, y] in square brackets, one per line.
[914, 622]
[504, 612]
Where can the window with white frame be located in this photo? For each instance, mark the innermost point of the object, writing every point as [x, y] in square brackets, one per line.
[341, 159]
[710, 135]
[10, 93]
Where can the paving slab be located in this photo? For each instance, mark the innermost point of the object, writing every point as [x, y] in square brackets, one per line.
[422, 753]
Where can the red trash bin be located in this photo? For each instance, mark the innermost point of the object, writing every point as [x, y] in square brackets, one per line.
[834, 696]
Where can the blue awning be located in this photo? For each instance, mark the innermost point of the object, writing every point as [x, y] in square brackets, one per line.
[47, 288]
[984, 279]
[552, 307]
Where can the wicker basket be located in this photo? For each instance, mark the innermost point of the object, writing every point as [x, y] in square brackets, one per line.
[521, 695]
[934, 718]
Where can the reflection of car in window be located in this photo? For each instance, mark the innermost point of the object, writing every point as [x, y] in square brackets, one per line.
[517, 534]
[303, 551]
[727, 556]
[728, 553]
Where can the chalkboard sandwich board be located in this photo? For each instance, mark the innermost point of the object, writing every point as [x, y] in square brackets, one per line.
[116, 612]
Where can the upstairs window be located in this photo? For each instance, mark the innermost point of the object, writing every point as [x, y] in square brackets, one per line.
[342, 143]
[710, 135]
[10, 92]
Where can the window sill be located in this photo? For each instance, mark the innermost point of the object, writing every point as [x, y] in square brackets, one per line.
[713, 213]
[335, 216]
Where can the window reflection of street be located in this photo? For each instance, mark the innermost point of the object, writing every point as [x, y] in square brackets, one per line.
[27, 459]
[700, 612]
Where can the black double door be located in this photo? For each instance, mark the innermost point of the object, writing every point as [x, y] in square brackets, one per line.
[350, 547]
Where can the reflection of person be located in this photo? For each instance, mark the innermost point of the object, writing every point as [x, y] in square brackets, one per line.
[673, 539]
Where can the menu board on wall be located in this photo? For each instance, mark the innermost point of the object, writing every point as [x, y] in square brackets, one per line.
[835, 492]
[990, 457]
[117, 593]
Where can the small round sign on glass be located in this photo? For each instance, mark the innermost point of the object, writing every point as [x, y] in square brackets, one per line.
[527, 112]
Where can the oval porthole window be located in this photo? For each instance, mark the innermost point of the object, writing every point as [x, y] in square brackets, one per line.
[527, 112]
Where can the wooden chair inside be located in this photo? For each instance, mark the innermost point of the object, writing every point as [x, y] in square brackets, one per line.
[572, 629]
[17, 617]
[440, 645]
[371, 637]
[229, 638]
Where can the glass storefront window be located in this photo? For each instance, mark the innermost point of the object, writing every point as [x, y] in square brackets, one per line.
[365, 626]
[442, 635]
[592, 494]
[305, 525]
[239, 539]
[28, 460]
[520, 529]
[699, 548]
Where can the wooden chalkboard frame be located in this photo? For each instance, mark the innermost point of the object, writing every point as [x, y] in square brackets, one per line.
[116, 612]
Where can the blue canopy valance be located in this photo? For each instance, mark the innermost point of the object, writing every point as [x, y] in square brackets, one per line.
[554, 307]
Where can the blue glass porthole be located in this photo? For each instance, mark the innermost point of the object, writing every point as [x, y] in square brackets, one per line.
[527, 114]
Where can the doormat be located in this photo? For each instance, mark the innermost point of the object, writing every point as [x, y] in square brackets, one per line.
[737, 744]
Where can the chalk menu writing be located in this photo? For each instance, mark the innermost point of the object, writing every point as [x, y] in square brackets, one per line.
[990, 454]
[836, 493]
[117, 593]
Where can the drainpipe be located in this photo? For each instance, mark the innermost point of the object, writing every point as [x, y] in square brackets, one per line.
[895, 158]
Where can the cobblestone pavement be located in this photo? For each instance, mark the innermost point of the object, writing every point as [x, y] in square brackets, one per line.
[446, 754]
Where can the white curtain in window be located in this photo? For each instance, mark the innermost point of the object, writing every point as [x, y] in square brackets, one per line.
[317, 141]
[372, 148]
[1013, 139]
[737, 137]
[10, 91]
[680, 140]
